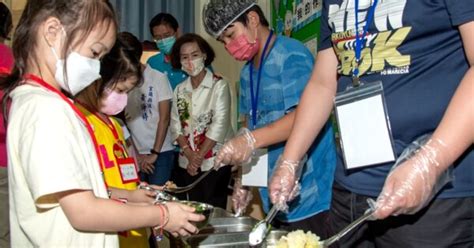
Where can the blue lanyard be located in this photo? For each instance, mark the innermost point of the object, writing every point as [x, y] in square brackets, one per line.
[359, 39]
[254, 97]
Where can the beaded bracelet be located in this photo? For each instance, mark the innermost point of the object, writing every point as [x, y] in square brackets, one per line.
[158, 231]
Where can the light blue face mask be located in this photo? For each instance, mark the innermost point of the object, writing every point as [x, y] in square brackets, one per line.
[166, 44]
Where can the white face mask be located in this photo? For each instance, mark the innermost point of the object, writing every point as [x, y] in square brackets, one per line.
[193, 67]
[81, 72]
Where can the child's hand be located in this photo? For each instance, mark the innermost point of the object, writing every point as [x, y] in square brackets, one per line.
[180, 218]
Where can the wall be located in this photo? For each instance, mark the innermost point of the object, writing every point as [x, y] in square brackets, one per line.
[16, 7]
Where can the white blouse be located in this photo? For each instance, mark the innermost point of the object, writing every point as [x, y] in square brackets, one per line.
[200, 113]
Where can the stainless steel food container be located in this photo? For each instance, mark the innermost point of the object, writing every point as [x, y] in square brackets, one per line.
[224, 230]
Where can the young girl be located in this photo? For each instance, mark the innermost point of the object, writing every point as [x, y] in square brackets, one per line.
[120, 72]
[58, 197]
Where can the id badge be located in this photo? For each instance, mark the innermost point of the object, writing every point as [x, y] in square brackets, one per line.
[128, 170]
[256, 172]
[365, 134]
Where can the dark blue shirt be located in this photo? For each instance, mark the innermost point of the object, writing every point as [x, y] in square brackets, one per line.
[415, 49]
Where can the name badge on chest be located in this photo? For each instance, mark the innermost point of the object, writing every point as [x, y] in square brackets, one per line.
[364, 126]
[256, 172]
[128, 170]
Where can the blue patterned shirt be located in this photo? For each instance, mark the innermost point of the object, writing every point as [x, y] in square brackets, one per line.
[285, 72]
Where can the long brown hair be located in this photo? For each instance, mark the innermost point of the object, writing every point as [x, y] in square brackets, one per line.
[78, 17]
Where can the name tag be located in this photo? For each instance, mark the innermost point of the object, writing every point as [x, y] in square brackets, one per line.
[255, 173]
[128, 170]
[364, 127]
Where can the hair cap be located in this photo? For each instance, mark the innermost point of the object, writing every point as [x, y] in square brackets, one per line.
[219, 14]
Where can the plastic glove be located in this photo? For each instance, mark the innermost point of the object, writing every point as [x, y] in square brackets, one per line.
[284, 185]
[411, 186]
[241, 197]
[238, 150]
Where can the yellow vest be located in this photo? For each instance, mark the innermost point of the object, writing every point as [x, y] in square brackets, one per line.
[111, 149]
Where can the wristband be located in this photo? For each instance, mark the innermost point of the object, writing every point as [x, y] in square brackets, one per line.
[153, 151]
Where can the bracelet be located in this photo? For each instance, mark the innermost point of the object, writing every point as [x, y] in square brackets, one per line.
[153, 151]
[158, 230]
[184, 147]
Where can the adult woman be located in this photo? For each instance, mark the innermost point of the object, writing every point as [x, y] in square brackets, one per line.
[200, 119]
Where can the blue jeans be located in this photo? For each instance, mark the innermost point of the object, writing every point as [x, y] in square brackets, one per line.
[162, 172]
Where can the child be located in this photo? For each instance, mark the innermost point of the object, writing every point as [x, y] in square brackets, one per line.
[58, 197]
[120, 72]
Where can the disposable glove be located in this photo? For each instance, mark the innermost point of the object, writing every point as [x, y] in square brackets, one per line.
[237, 151]
[414, 180]
[284, 185]
[241, 197]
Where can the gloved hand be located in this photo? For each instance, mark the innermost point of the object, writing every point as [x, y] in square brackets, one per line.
[284, 185]
[411, 186]
[241, 197]
[238, 150]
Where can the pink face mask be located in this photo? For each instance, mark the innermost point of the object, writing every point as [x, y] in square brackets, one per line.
[241, 49]
[113, 102]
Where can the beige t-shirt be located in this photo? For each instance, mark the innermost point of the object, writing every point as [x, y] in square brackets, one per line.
[49, 151]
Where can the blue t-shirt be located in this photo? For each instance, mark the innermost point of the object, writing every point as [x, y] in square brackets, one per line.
[415, 49]
[285, 72]
[159, 63]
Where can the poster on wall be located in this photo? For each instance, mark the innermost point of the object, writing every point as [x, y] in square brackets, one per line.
[298, 19]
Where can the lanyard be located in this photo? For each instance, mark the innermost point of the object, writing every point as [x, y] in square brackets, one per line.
[81, 116]
[254, 97]
[111, 127]
[359, 39]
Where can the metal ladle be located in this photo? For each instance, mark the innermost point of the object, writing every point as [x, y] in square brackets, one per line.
[187, 187]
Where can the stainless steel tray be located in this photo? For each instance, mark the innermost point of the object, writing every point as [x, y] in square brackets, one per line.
[226, 231]
[228, 225]
[228, 240]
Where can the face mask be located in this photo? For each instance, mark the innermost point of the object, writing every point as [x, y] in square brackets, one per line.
[81, 72]
[193, 67]
[241, 49]
[166, 44]
[113, 102]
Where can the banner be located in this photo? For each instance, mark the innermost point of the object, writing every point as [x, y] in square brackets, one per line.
[299, 19]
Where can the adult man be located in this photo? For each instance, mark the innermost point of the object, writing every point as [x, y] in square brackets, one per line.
[165, 30]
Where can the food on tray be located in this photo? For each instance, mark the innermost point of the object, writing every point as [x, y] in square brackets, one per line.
[201, 208]
[170, 185]
[299, 239]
